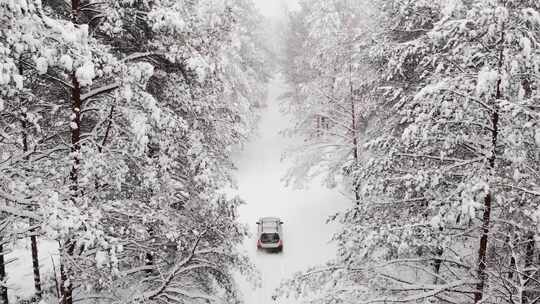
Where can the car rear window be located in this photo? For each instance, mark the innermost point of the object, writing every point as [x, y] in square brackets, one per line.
[270, 226]
[269, 238]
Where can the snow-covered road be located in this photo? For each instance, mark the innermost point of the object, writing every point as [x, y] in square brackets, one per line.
[304, 212]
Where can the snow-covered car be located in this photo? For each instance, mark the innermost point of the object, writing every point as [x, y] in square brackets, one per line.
[270, 234]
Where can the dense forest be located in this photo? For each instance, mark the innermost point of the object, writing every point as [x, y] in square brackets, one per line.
[117, 120]
[427, 114]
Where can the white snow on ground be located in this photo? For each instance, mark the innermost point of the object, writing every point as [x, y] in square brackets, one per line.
[20, 276]
[275, 8]
[304, 212]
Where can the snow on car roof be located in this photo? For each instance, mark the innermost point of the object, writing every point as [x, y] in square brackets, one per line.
[269, 219]
[270, 229]
[269, 224]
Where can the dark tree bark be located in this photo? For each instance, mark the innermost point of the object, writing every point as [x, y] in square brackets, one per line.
[319, 131]
[35, 263]
[149, 256]
[3, 290]
[354, 136]
[438, 261]
[488, 199]
[511, 268]
[107, 130]
[482, 250]
[33, 237]
[529, 262]
[66, 287]
[66, 276]
[75, 130]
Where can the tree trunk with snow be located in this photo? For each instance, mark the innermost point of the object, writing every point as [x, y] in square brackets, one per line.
[439, 251]
[75, 124]
[488, 199]
[530, 249]
[75, 127]
[33, 237]
[354, 135]
[482, 251]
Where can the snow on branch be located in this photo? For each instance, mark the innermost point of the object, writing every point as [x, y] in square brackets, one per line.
[100, 90]
[524, 190]
[447, 159]
[16, 211]
[432, 291]
[136, 56]
[178, 268]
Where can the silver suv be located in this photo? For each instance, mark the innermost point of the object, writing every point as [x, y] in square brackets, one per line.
[270, 234]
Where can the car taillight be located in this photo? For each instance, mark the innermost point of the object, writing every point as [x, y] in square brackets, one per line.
[258, 243]
[280, 243]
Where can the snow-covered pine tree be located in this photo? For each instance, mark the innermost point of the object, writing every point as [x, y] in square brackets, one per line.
[19, 114]
[327, 67]
[448, 181]
[139, 106]
[463, 149]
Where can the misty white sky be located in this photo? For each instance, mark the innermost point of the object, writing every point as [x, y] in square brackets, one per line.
[275, 8]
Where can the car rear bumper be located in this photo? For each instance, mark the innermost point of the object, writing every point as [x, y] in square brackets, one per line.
[270, 246]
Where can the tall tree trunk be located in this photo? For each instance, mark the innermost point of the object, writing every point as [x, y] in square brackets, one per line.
[3, 290]
[66, 274]
[75, 129]
[319, 131]
[439, 251]
[512, 265]
[482, 251]
[149, 256]
[33, 237]
[354, 136]
[35, 262]
[529, 262]
[66, 287]
[488, 199]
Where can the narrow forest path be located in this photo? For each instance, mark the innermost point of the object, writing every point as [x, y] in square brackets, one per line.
[304, 212]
